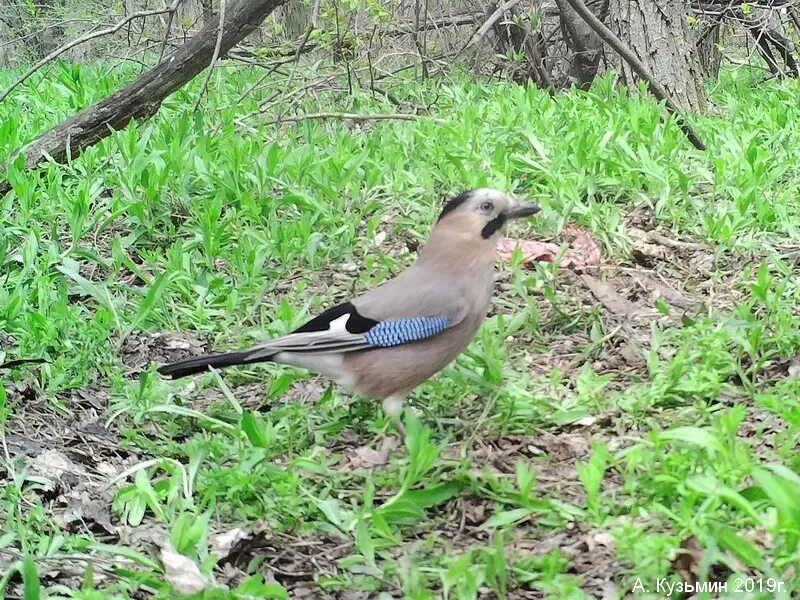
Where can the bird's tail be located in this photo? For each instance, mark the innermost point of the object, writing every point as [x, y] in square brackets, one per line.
[200, 364]
[21, 361]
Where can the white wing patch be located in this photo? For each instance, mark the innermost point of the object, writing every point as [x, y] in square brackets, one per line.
[340, 324]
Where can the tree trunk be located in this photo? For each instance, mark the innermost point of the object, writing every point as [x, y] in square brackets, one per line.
[296, 19]
[206, 11]
[707, 53]
[584, 44]
[143, 97]
[658, 33]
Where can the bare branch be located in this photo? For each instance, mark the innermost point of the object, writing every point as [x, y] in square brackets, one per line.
[167, 31]
[311, 27]
[215, 57]
[436, 24]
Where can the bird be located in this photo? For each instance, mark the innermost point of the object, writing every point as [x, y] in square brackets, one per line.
[387, 341]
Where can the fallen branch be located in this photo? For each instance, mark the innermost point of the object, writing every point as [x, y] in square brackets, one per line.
[90, 36]
[357, 117]
[436, 24]
[660, 238]
[628, 56]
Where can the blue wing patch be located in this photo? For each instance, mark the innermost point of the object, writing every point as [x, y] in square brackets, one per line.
[405, 331]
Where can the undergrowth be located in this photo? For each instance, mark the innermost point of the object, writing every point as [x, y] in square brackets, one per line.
[232, 232]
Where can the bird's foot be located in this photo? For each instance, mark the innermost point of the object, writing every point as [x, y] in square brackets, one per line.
[388, 432]
[393, 409]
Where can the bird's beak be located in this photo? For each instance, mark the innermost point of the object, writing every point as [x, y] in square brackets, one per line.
[522, 209]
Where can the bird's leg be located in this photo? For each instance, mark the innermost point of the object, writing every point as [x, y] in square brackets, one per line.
[393, 409]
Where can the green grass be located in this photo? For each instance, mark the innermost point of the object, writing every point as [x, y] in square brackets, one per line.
[192, 225]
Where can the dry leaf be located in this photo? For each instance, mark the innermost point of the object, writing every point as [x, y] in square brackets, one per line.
[50, 466]
[222, 544]
[794, 368]
[365, 457]
[584, 245]
[609, 297]
[182, 573]
[562, 447]
[687, 563]
[582, 252]
[602, 538]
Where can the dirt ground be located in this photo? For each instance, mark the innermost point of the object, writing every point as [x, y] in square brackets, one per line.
[77, 455]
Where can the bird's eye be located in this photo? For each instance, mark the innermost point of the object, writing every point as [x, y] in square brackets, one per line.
[487, 207]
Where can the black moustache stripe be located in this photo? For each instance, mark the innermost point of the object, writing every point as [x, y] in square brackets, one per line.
[492, 226]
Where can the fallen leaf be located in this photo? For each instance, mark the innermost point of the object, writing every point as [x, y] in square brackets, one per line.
[182, 573]
[602, 538]
[609, 297]
[794, 368]
[366, 457]
[583, 250]
[610, 591]
[475, 510]
[584, 245]
[650, 247]
[86, 508]
[648, 254]
[687, 562]
[49, 467]
[222, 544]
[565, 446]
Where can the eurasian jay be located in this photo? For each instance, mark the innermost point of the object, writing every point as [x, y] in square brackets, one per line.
[387, 341]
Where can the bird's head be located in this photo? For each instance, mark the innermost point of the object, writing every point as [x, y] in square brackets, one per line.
[472, 223]
[485, 211]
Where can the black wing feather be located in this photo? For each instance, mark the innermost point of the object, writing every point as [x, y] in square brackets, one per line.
[355, 324]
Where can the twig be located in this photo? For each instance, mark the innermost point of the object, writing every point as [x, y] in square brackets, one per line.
[660, 238]
[435, 25]
[22, 38]
[267, 103]
[357, 117]
[311, 27]
[420, 45]
[272, 66]
[76, 42]
[214, 57]
[628, 56]
[166, 36]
